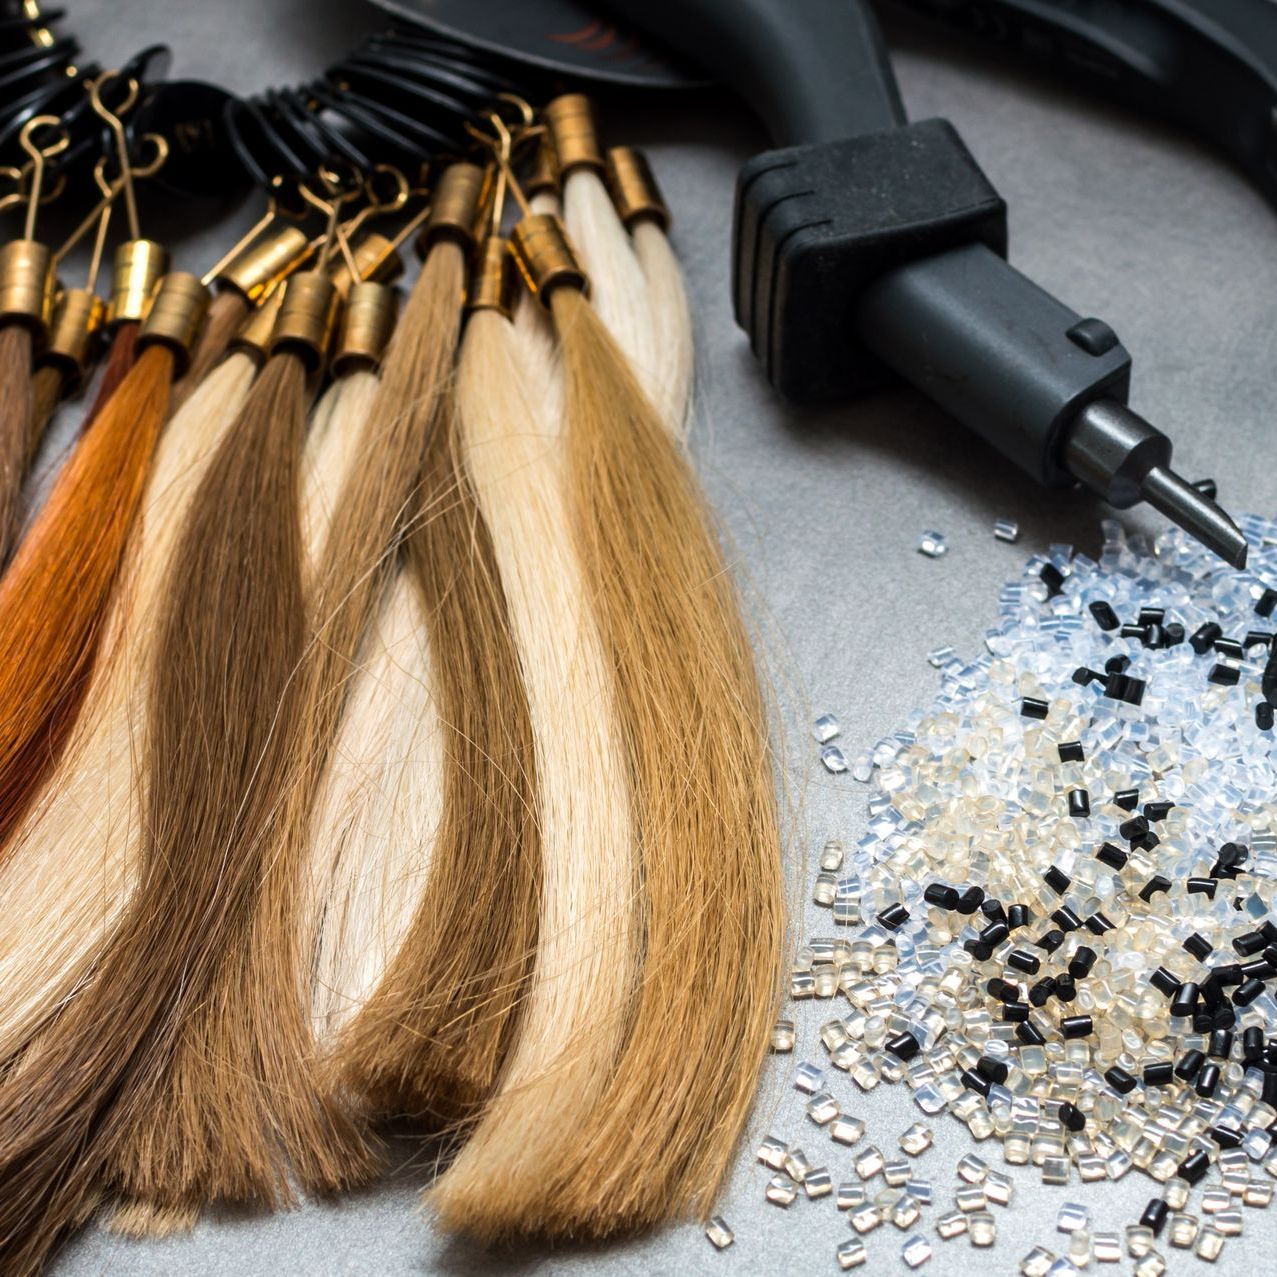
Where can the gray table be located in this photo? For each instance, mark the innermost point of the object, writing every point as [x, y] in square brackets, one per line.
[1118, 217]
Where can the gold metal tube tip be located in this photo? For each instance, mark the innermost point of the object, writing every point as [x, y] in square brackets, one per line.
[258, 268]
[254, 336]
[139, 264]
[545, 175]
[74, 332]
[375, 258]
[633, 188]
[307, 317]
[492, 281]
[26, 283]
[569, 119]
[454, 210]
[366, 324]
[176, 315]
[545, 257]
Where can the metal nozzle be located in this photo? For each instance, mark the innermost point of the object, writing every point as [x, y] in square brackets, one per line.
[1115, 452]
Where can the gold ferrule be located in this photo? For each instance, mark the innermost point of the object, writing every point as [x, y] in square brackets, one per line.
[492, 281]
[254, 336]
[545, 175]
[376, 259]
[570, 121]
[454, 211]
[366, 324]
[176, 315]
[545, 257]
[633, 188]
[26, 283]
[139, 264]
[264, 263]
[307, 317]
[74, 331]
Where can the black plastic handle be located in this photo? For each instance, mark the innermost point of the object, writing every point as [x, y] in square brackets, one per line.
[1206, 65]
[813, 70]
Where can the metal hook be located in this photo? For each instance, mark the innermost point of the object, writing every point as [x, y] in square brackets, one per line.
[110, 191]
[332, 236]
[376, 206]
[39, 155]
[116, 125]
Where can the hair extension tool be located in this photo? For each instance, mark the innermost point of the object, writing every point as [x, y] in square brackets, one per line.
[866, 244]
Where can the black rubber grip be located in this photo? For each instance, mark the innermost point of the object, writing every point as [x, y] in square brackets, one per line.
[813, 70]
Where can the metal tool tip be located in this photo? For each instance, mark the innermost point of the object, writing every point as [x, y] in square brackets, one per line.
[1196, 513]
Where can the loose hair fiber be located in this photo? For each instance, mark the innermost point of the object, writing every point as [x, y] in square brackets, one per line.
[240, 1101]
[696, 730]
[139, 1085]
[226, 315]
[17, 416]
[119, 362]
[74, 859]
[47, 387]
[572, 1021]
[55, 593]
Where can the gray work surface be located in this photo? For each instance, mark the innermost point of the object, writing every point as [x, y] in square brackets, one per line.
[1118, 217]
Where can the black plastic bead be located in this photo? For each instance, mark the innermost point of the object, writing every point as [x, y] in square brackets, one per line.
[1224, 675]
[1051, 941]
[1220, 1046]
[1127, 798]
[1159, 1074]
[1081, 963]
[1230, 648]
[1198, 946]
[1188, 1065]
[1203, 639]
[974, 1082]
[1250, 943]
[1157, 810]
[1164, 982]
[1082, 676]
[1104, 615]
[1066, 919]
[1117, 664]
[893, 917]
[1065, 988]
[1121, 687]
[904, 1046]
[1154, 1215]
[1024, 961]
[1079, 803]
[1207, 1080]
[1052, 578]
[995, 933]
[1133, 828]
[993, 910]
[1016, 1012]
[1184, 1001]
[1172, 634]
[1247, 992]
[1267, 601]
[1019, 916]
[1252, 1044]
[1072, 1118]
[1031, 707]
[1201, 887]
[1098, 923]
[1040, 993]
[1029, 1033]
[1112, 856]
[1077, 1026]
[1194, 1167]
[1120, 1080]
[1156, 883]
[995, 1070]
[1002, 989]
[1264, 716]
[939, 893]
[1228, 975]
[1057, 880]
[1071, 751]
[970, 900]
[1225, 1136]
